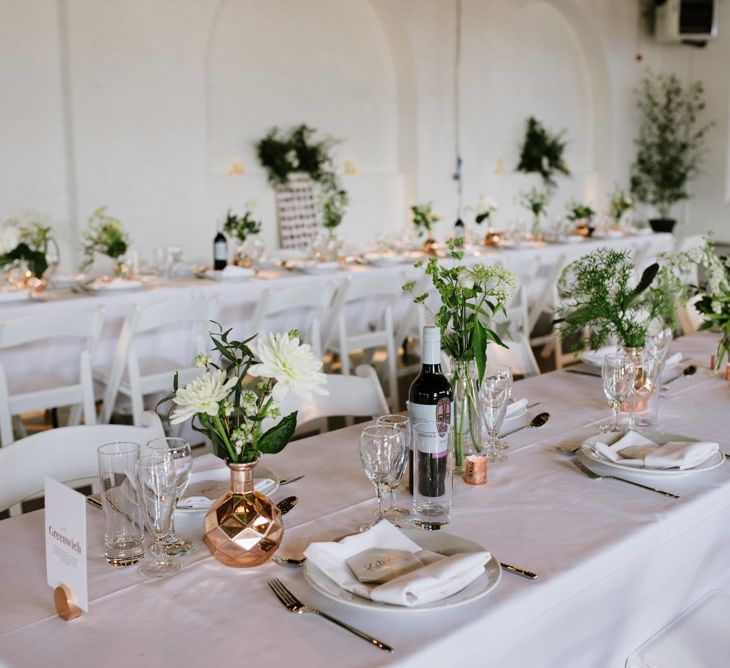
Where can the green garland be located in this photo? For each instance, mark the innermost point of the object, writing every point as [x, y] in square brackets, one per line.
[542, 152]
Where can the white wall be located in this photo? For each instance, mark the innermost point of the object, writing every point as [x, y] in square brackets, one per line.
[144, 104]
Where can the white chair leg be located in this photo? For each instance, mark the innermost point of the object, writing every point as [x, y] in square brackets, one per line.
[6, 421]
[392, 364]
[74, 415]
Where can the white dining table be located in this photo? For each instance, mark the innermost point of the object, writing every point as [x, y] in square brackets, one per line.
[616, 563]
[238, 301]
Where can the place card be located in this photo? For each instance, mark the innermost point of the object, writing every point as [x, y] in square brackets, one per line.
[66, 541]
[377, 565]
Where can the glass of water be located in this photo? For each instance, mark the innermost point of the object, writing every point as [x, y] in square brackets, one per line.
[618, 374]
[433, 472]
[382, 453]
[182, 457]
[494, 396]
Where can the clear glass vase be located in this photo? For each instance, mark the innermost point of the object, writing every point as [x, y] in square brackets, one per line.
[466, 412]
[642, 406]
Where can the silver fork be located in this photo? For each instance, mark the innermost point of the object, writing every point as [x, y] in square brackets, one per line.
[592, 474]
[293, 604]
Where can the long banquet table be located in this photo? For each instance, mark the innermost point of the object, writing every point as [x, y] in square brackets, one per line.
[238, 301]
[616, 563]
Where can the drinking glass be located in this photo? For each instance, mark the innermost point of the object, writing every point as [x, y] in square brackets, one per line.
[402, 423]
[618, 374]
[382, 453]
[124, 528]
[494, 396]
[182, 457]
[157, 491]
[433, 470]
[657, 344]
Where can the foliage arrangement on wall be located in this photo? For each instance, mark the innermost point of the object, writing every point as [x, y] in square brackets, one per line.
[542, 152]
[671, 140]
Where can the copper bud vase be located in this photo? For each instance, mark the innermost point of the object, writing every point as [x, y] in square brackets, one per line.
[243, 528]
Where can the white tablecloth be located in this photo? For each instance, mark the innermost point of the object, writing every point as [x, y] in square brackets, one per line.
[238, 301]
[616, 563]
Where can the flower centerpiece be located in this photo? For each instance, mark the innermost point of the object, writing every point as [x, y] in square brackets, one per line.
[619, 204]
[582, 215]
[471, 295]
[423, 218]
[535, 201]
[243, 228]
[236, 404]
[484, 212]
[25, 243]
[334, 204]
[105, 235]
[712, 295]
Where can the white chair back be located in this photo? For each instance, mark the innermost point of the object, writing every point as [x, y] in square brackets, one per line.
[196, 312]
[349, 396]
[67, 454]
[85, 325]
[385, 290]
[312, 302]
[412, 322]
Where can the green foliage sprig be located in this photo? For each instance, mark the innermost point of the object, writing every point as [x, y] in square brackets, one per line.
[104, 235]
[671, 140]
[470, 298]
[598, 291]
[241, 227]
[534, 200]
[283, 154]
[424, 218]
[542, 152]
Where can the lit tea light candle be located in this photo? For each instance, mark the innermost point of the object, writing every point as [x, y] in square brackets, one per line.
[475, 469]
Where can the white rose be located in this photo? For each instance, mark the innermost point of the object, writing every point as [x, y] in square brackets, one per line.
[9, 236]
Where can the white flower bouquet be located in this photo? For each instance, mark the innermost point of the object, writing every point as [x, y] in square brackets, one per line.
[26, 238]
[231, 401]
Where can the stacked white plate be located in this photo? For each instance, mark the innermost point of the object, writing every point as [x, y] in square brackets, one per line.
[114, 285]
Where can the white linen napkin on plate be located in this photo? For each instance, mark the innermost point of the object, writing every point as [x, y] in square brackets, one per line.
[263, 486]
[595, 357]
[515, 408]
[440, 578]
[232, 270]
[633, 449]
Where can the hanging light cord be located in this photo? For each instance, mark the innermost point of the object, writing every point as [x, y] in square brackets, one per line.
[457, 114]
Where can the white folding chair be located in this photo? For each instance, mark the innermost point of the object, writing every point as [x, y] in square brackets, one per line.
[67, 454]
[37, 391]
[384, 290]
[349, 396]
[519, 356]
[134, 376]
[311, 303]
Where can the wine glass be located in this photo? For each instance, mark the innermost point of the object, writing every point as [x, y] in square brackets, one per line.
[156, 493]
[618, 374]
[382, 453]
[182, 457]
[657, 344]
[493, 399]
[403, 423]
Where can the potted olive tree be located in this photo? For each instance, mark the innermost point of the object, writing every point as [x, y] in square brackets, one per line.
[670, 144]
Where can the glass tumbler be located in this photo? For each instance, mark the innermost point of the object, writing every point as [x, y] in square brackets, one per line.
[433, 470]
[124, 530]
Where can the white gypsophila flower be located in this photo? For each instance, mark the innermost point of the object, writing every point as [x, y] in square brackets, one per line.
[201, 395]
[291, 364]
[9, 236]
[486, 205]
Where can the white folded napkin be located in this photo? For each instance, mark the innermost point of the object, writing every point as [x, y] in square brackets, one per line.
[672, 361]
[263, 486]
[232, 270]
[515, 408]
[113, 284]
[633, 449]
[440, 578]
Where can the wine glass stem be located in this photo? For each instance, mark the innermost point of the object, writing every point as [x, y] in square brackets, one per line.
[614, 419]
[379, 491]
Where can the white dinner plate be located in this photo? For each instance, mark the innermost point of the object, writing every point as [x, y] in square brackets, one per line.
[588, 448]
[8, 296]
[435, 541]
[317, 267]
[115, 285]
[384, 259]
[240, 275]
[67, 281]
[215, 483]
[595, 357]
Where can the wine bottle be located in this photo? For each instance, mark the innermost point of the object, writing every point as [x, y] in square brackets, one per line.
[220, 250]
[429, 400]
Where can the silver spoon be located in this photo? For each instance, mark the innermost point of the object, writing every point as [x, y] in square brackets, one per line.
[538, 421]
[285, 505]
[291, 480]
[690, 370]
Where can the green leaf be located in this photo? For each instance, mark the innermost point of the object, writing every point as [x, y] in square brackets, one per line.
[276, 438]
[479, 348]
[646, 280]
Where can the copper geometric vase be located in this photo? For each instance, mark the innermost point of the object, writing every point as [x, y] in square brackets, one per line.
[243, 528]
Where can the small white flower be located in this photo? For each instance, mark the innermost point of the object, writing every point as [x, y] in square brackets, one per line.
[292, 159]
[292, 365]
[201, 395]
[9, 236]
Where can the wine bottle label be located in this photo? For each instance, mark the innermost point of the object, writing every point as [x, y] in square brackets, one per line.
[435, 442]
[220, 250]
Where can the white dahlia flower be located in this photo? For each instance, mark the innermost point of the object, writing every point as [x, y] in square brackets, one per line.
[201, 395]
